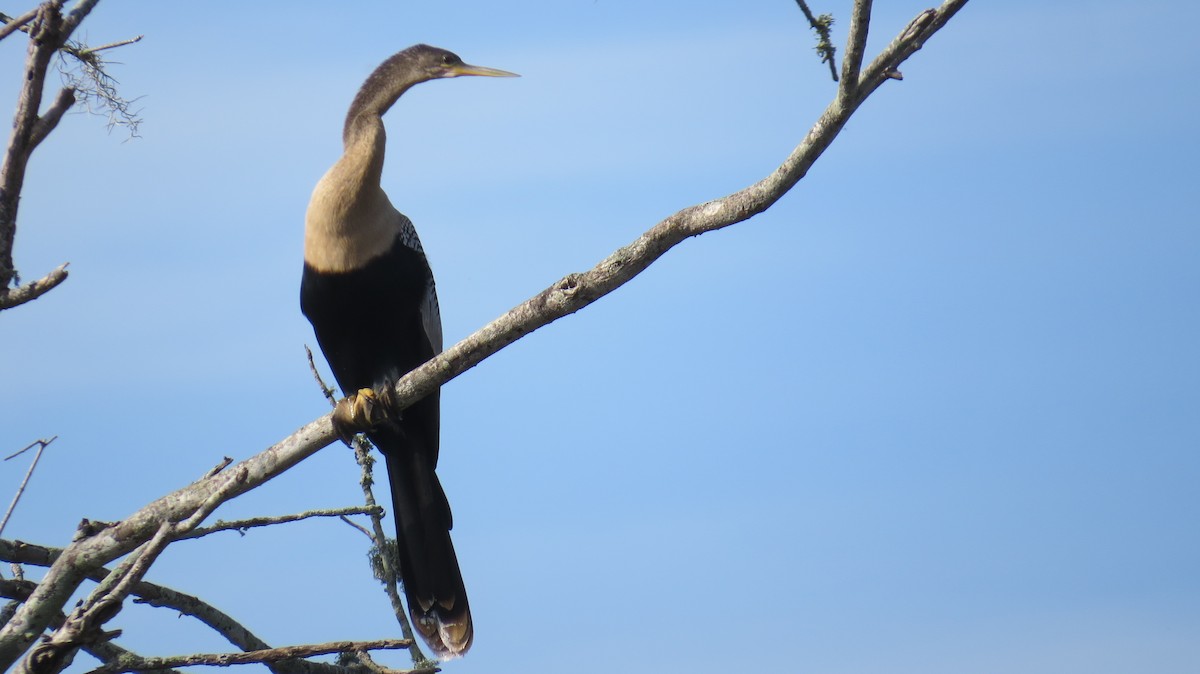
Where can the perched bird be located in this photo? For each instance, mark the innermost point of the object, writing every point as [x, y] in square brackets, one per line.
[368, 291]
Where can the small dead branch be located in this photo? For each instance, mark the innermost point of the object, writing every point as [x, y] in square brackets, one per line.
[241, 526]
[361, 528]
[12, 25]
[326, 389]
[823, 26]
[251, 657]
[41, 447]
[225, 461]
[362, 659]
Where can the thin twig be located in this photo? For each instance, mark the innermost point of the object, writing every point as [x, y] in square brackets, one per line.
[364, 659]
[326, 390]
[242, 525]
[36, 443]
[111, 45]
[225, 461]
[252, 657]
[822, 25]
[41, 445]
[360, 527]
[71, 47]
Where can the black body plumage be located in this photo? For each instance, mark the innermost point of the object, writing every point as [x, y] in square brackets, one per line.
[368, 320]
[368, 291]
[369, 325]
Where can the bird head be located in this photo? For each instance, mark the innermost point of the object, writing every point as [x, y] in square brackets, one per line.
[437, 63]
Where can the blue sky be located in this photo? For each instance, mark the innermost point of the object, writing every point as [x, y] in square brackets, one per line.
[936, 411]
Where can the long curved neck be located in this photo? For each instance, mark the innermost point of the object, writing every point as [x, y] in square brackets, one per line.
[363, 136]
[349, 219]
[378, 93]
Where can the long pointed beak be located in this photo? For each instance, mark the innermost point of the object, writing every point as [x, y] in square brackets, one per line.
[468, 69]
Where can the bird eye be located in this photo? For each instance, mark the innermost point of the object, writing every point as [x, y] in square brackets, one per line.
[447, 59]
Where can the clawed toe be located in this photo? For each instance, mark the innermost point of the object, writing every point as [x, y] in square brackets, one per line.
[361, 411]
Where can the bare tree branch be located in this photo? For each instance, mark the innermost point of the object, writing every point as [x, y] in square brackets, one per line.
[41, 445]
[856, 44]
[160, 596]
[49, 32]
[567, 296]
[105, 601]
[12, 25]
[31, 291]
[242, 525]
[225, 462]
[45, 37]
[326, 390]
[111, 45]
[109, 543]
[822, 25]
[77, 14]
[363, 659]
[360, 528]
[251, 657]
[101, 649]
[49, 119]
[107, 651]
[76, 49]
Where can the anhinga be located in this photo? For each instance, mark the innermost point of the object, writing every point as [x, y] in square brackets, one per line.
[368, 291]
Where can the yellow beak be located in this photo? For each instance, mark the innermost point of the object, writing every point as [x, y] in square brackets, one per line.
[468, 69]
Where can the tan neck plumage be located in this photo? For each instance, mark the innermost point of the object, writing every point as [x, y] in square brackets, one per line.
[350, 220]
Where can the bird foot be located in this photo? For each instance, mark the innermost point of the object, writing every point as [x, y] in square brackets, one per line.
[361, 411]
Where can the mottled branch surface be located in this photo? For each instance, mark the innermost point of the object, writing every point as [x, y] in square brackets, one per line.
[31, 291]
[139, 664]
[570, 294]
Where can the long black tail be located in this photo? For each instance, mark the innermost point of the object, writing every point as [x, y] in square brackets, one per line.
[433, 585]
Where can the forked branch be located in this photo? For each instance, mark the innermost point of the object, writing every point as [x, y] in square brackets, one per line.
[49, 34]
